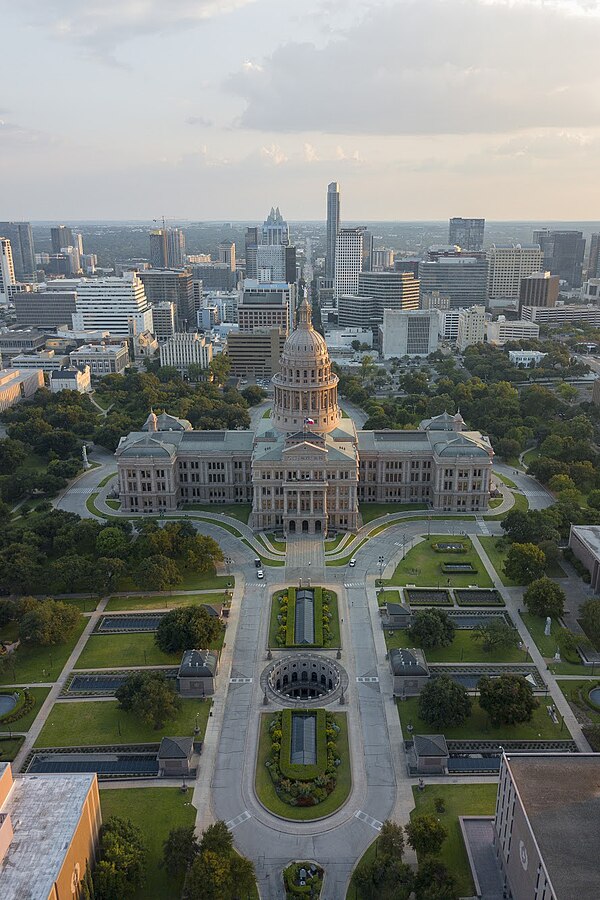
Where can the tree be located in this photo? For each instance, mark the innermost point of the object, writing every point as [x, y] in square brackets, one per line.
[496, 634]
[180, 850]
[432, 628]
[151, 696]
[507, 699]
[122, 860]
[72, 572]
[525, 563]
[544, 597]
[113, 542]
[108, 573]
[217, 838]
[443, 703]
[50, 622]
[253, 394]
[208, 878]
[433, 881]
[157, 573]
[425, 834]
[593, 499]
[383, 878]
[391, 840]
[560, 483]
[186, 628]
[590, 619]
[8, 612]
[219, 368]
[243, 875]
[12, 454]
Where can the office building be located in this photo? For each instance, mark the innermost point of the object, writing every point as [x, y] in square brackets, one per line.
[590, 291]
[407, 264]
[49, 831]
[164, 320]
[463, 278]
[266, 306]
[471, 327]
[390, 290]
[61, 236]
[562, 313]
[89, 261]
[251, 241]
[275, 258]
[434, 300]
[158, 248]
[175, 248]
[333, 227]
[215, 276]
[112, 303]
[46, 360]
[71, 379]
[543, 836]
[102, 358]
[306, 468]
[226, 302]
[367, 251]
[19, 340]
[185, 349]
[593, 269]
[539, 289]
[255, 354]
[7, 271]
[339, 339]
[355, 311]
[466, 233]
[504, 330]
[20, 236]
[409, 332]
[348, 260]
[171, 286]
[563, 254]
[507, 266]
[227, 254]
[449, 319]
[382, 259]
[16, 386]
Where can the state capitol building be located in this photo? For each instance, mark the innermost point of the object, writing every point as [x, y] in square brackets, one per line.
[306, 468]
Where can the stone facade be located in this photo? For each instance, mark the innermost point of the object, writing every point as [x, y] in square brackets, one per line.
[306, 468]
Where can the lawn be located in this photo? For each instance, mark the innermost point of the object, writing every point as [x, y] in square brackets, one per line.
[344, 560]
[530, 455]
[163, 601]
[370, 511]
[265, 789]
[239, 511]
[478, 727]
[141, 805]
[459, 800]
[9, 748]
[114, 504]
[109, 651]
[535, 625]
[497, 556]
[26, 721]
[277, 545]
[33, 664]
[107, 479]
[388, 597]
[462, 649]
[267, 413]
[73, 723]
[508, 481]
[264, 560]
[422, 566]
[576, 691]
[333, 543]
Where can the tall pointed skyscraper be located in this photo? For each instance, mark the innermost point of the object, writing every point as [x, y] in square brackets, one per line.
[333, 227]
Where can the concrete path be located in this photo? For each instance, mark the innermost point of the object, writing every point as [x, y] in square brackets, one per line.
[305, 558]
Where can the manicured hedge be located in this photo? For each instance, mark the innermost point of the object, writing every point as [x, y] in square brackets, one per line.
[302, 772]
[318, 616]
[25, 703]
[440, 547]
[291, 618]
[466, 569]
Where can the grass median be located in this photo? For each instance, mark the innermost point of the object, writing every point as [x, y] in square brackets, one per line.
[422, 566]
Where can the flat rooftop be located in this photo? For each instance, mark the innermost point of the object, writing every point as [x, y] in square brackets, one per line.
[45, 811]
[561, 796]
[590, 536]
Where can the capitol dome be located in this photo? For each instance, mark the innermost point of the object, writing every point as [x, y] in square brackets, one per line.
[305, 387]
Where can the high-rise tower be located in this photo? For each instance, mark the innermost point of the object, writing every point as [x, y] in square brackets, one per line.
[7, 271]
[333, 226]
[21, 241]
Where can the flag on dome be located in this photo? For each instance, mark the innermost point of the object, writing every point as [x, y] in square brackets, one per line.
[308, 421]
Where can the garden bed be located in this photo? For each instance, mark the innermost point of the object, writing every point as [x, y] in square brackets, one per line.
[428, 597]
[478, 597]
[449, 547]
[452, 568]
[293, 770]
[303, 879]
[283, 614]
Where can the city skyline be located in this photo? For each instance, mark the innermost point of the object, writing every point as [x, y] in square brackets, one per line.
[198, 121]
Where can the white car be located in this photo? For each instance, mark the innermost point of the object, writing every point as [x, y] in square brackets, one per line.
[352, 562]
[260, 574]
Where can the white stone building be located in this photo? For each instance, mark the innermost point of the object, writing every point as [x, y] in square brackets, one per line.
[471, 327]
[112, 304]
[507, 266]
[504, 330]
[185, 349]
[409, 332]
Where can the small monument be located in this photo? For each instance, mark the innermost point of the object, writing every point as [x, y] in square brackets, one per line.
[84, 456]
[548, 626]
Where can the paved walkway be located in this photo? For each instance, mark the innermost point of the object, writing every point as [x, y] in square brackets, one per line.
[305, 558]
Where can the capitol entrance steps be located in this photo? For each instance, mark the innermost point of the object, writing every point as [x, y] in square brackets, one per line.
[305, 557]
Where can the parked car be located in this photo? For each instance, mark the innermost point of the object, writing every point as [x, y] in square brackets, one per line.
[352, 562]
[257, 562]
[260, 574]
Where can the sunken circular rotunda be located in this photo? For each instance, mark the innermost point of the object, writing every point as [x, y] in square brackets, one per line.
[304, 678]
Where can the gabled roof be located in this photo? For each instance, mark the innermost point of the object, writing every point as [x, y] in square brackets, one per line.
[430, 745]
[176, 748]
[198, 663]
[397, 609]
[408, 662]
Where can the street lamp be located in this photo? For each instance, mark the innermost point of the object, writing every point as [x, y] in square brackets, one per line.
[381, 565]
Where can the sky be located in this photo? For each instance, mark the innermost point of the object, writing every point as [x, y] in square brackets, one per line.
[219, 109]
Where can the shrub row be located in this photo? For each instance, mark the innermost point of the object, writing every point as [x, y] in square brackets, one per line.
[466, 569]
[291, 617]
[442, 548]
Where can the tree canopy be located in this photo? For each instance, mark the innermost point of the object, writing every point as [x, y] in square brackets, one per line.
[443, 703]
[507, 699]
[432, 628]
[544, 597]
[151, 696]
[186, 628]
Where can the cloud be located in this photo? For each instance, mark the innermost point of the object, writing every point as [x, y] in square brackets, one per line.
[274, 155]
[18, 137]
[101, 25]
[434, 67]
[199, 120]
[310, 154]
